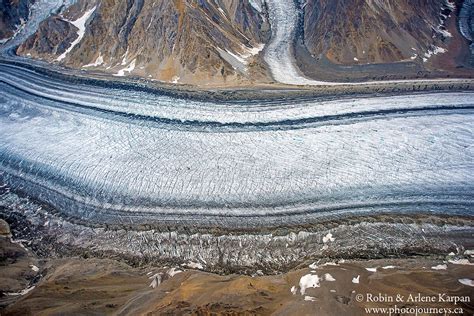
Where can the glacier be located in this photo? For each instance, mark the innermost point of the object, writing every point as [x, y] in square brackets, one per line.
[146, 157]
[40, 10]
[284, 16]
[232, 185]
[108, 168]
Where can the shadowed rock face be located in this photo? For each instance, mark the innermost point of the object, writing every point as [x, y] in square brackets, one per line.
[12, 12]
[376, 31]
[179, 41]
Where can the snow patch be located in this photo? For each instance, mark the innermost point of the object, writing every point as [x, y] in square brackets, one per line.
[434, 51]
[222, 11]
[175, 79]
[440, 267]
[309, 298]
[328, 238]
[124, 59]
[329, 277]
[444, 33]
[34, 268]
[81, 25]
[469, 252]
[194, 265]
[293, 290]
[252, 51]
[356, 279]
[388, 267]
[172, 272]
[22, 292]
[308, 281]
[99, 61]
[239, 61]
[371, 269]
[128, 69]
[156, 280]
[236, 61]
[313, 266]
[461, 261]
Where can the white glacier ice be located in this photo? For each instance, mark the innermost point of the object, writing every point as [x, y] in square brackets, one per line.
[128, 151]
[283, 17]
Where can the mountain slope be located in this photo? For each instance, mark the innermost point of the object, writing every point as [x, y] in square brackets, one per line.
[232, 42]
[13, 14]
[376, 31]
[180, 41]
[408, 38]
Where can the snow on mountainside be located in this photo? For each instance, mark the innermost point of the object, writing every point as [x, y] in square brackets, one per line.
[13, 15]
[376, 31]
[214, 42]
[182, 41]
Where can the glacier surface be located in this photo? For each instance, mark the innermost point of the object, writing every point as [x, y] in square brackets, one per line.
[94, 152]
